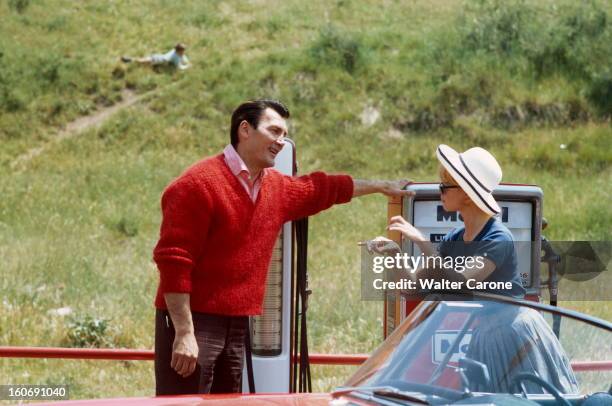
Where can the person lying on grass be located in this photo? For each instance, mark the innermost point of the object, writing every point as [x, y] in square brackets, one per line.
[175, 57]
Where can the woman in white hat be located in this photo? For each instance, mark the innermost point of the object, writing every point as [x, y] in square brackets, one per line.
[509, 339]
[467, 182]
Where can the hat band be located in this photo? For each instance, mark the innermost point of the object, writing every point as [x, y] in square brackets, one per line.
[467, 181]
[472, 175]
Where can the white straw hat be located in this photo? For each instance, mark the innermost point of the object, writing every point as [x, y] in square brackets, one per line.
[476, 171]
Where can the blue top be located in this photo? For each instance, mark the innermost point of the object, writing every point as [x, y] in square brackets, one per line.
[493, 242]
[174, 58]
[170, 57]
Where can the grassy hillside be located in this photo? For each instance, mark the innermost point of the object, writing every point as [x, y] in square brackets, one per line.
[373, 88]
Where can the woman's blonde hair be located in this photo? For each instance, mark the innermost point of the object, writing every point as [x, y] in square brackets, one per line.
[445, 177]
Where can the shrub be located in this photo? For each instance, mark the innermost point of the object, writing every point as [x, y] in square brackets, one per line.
[19, 5]
[336, 48]
[568, 44]
[88, 332]
[49, 69]
[127, 227]
[495, 25]
[556, 39]
[599, 93]
[10, 99]
[56, 24]
[274, 25]
[530, 40]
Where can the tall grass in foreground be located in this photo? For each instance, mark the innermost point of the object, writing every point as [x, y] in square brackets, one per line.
[78, 223]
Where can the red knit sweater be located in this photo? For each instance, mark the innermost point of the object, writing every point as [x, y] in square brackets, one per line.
[216, 243]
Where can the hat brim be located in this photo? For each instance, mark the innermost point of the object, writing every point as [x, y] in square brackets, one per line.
[449, 158]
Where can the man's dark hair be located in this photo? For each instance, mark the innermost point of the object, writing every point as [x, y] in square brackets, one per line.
[251, 112]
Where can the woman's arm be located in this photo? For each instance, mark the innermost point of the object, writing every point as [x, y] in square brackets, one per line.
[398, 223]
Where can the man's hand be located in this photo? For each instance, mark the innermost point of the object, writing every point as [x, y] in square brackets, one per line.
[185, 346]
[391, 188]
[184, 354]
[396, 188]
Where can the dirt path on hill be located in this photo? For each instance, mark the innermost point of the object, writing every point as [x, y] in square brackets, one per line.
[81, 124]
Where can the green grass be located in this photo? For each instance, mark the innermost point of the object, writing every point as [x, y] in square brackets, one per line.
[78, 223]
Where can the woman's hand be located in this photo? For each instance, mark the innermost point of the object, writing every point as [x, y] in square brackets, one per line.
[381, 245]
[397, 223]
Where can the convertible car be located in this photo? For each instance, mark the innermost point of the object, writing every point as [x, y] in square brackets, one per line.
[463, 350]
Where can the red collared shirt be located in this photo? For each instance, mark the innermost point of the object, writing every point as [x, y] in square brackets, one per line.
[240, 170]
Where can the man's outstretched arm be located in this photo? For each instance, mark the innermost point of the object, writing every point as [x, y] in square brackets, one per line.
[393, 188]
[309, 194]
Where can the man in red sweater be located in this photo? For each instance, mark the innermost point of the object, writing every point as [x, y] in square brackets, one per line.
[221, 218]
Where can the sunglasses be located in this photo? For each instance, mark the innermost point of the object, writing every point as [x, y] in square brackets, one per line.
[444, 188]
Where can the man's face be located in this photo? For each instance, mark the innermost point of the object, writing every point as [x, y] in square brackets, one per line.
[267, 140]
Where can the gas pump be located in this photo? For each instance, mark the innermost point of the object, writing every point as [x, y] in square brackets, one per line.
[273, 336]
[521, 212]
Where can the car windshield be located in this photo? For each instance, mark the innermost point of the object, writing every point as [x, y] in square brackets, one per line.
[493, 346]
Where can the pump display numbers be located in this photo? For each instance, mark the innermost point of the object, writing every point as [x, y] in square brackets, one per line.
[435, 222]
[266, 328]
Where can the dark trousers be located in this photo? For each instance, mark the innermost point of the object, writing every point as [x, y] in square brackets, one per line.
[220, 359]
